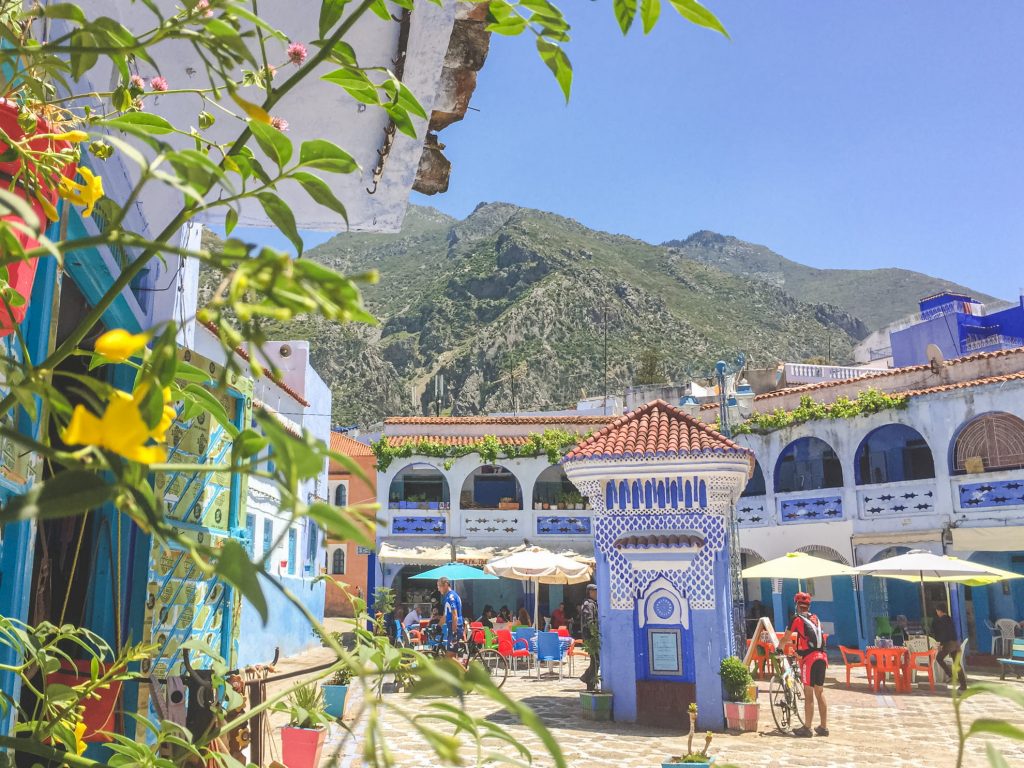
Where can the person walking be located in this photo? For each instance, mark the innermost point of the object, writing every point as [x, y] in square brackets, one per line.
[810, 647]
[944, 632]
[453, 618]
[588, 616]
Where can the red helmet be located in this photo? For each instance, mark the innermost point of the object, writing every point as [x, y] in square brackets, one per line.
[802, 597]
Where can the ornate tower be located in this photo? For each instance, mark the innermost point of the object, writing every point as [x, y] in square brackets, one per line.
[664, 487]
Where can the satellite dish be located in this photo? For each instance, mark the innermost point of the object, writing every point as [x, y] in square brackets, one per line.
[934, 355]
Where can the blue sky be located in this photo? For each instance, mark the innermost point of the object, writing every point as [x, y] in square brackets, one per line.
[866, 134]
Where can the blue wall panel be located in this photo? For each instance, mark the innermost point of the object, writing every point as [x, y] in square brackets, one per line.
[288, 630]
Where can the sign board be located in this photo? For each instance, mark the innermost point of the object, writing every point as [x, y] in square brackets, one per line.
[665, 651]
[364, 551]
[764, 629]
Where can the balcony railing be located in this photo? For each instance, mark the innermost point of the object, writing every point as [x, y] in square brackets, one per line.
[992, 342]
[808, 373]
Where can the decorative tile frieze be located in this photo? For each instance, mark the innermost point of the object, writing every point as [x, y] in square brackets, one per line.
[902, 501]
[816, 509]
[991, 494]
[493, 523]
[420, 525]
[563, 525]
[750, 512]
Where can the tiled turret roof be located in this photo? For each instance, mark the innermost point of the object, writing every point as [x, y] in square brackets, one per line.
[654, 430]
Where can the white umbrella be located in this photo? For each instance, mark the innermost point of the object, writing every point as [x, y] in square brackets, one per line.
[540, 566]
[923, 566]
[799, 566]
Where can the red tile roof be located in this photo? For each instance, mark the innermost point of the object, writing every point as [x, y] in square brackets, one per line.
[399, 440]
[244, 354]
[647, 541]
[342, 443]
[657, 430]
[802, 388]
[1019, 376]
[509, 420]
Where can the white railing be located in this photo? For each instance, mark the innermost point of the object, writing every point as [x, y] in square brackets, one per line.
[997, 340]
[808, 373]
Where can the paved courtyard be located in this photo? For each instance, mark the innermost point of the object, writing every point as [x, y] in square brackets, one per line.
[915, 730]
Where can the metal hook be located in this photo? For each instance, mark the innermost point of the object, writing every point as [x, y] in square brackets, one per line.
[374, 190]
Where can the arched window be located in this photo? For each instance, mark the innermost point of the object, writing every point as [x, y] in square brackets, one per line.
[341, 495]
[489, 486]
[989, 443]
[419, 484]
[891, 454]
[338, 562]
[808, 464]
[755, 485]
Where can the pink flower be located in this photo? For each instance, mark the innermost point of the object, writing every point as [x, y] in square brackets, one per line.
[136, 81]
[297, 53]
[203, 8]
[138, 105]
[158, 84]
[280, 123]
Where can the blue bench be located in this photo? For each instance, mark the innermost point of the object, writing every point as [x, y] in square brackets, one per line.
[1015, 662]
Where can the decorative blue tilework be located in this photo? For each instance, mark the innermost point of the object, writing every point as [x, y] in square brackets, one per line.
[663, 607]
[563, 525]
[814, 510]
[750, 512]
[896, 503]
[426, 525]
[992, 494]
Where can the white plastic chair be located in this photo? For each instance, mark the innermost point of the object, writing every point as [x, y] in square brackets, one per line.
[1007, 633]
[997, 639]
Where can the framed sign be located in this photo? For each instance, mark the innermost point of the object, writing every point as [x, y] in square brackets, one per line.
[664, 651]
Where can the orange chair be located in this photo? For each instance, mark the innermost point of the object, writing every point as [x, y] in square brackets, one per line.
[928, 657]
[760, 660]
[882, 664]
[415, 637]
[576, 649]
[853, 658]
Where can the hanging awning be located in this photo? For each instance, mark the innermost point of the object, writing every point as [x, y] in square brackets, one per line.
[440, 553]
[1003, 538]
[904, 538]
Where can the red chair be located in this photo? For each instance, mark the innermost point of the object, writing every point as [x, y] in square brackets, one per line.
[563, 631]
[576, 649]
[928, 657]
[512, 649]
[853, 658]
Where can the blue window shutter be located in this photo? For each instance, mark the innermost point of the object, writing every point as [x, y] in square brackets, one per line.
[291, 551]
[268, 539]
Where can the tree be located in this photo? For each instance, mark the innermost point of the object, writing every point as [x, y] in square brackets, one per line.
[649, 369]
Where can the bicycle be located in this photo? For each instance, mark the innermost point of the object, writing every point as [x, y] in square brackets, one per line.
[786, 695]
[467, 651]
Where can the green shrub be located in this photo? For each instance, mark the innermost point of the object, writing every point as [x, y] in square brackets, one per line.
[736, 679]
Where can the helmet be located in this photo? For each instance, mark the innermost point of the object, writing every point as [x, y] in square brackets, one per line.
[802, 597]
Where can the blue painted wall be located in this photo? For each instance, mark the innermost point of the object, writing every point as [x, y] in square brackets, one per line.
[990, 603]
[288, 629]
[616, 643]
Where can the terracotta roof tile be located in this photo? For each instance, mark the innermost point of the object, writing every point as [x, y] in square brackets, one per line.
[509, 420]
[399, 440]
[656, 430]
[342, 443]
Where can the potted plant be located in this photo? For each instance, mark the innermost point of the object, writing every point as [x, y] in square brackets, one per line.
[335, 692]
[595, 705]
[538, 505]
[740, 708]
[692, 758]
[302, 740]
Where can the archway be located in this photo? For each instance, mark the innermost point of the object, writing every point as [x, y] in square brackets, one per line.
[553, 488]
[834, 600]
[755, 485]
[989, 443]
[808, 464]
[419, 486]
[891, 454]
[491, 486]
[757, 592]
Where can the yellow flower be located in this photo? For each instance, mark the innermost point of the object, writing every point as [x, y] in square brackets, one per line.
[47, 206]
[80, 744]
[118, 345]
[72, 136]
[121, 428]
[83, 194]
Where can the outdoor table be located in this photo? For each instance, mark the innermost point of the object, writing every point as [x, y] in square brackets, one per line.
[563, 642]
[885, 660]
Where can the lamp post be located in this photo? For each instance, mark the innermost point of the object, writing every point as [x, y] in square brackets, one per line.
[729, 411]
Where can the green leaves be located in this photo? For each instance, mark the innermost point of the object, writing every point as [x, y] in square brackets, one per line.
[356, 82]
[273, 142]
[235, 567]
[343, 523]
[67, 493]
[330, 14]
[140, 124]
[556, 60]
[697, 14]
[625, 12]
[650, 11]
[322, 155]
[277, 211]
[319, 190]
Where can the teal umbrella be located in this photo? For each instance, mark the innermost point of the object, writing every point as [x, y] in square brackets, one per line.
[455, 572]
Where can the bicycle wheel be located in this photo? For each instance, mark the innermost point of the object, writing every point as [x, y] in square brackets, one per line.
[495, 664]
[785, 695]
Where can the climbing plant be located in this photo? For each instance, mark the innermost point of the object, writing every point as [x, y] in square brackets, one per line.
[553, 443]
[867, 402]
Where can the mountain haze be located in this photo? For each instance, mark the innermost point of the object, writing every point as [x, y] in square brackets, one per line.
[511, 305]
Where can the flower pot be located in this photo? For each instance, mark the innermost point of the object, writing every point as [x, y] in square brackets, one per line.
[334, 700]
[301, 747]
[99, 712]
[21, 274]
[596, 706]
[740, 716]
[670, 764]
[538, 505]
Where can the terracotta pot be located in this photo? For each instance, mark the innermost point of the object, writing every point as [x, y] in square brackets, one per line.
[741, 716]
[21, 274]
[99, 712]
[301, 747]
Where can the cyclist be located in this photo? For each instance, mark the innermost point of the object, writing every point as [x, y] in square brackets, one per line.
[810, 647]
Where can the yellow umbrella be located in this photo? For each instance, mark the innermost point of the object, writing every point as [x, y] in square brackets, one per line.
[797, 565]
[993, 576]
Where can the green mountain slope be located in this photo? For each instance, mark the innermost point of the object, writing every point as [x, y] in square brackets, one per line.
[876, 296]
[514, 303]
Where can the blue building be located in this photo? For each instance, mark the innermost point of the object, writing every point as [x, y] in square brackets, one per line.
[958, 325]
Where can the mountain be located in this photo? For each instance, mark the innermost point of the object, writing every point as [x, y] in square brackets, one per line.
[876, 296]
[516, 303]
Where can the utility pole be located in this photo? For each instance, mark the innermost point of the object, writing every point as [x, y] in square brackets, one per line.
[605, 404]
[438, 392]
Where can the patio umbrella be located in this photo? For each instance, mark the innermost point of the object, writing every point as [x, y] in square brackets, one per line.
[920, 566]
[799, 566]
[993, 575]
[454, 572]
[540, 566]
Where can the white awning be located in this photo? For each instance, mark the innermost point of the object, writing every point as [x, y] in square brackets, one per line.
[905, 537]
[440, 553]
[1003, 538]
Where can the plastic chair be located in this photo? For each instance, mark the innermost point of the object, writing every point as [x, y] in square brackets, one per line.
[882, 665]
[490, 639]
[1007, 632]
[760, 659]
[882, 626]
[415, 637]
[549, 649]
[852, 659]
[997, 637]
[512, 649]
[576, 648]
[928, 657]
[563, 631]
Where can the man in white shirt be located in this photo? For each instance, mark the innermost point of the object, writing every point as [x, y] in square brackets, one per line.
[412, 618]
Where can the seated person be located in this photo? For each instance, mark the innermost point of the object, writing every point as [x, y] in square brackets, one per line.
[558, 617]
[487, 617]
[435, 616]
[504, 615]
[412, 618]
[899, 631]
[523, 617]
